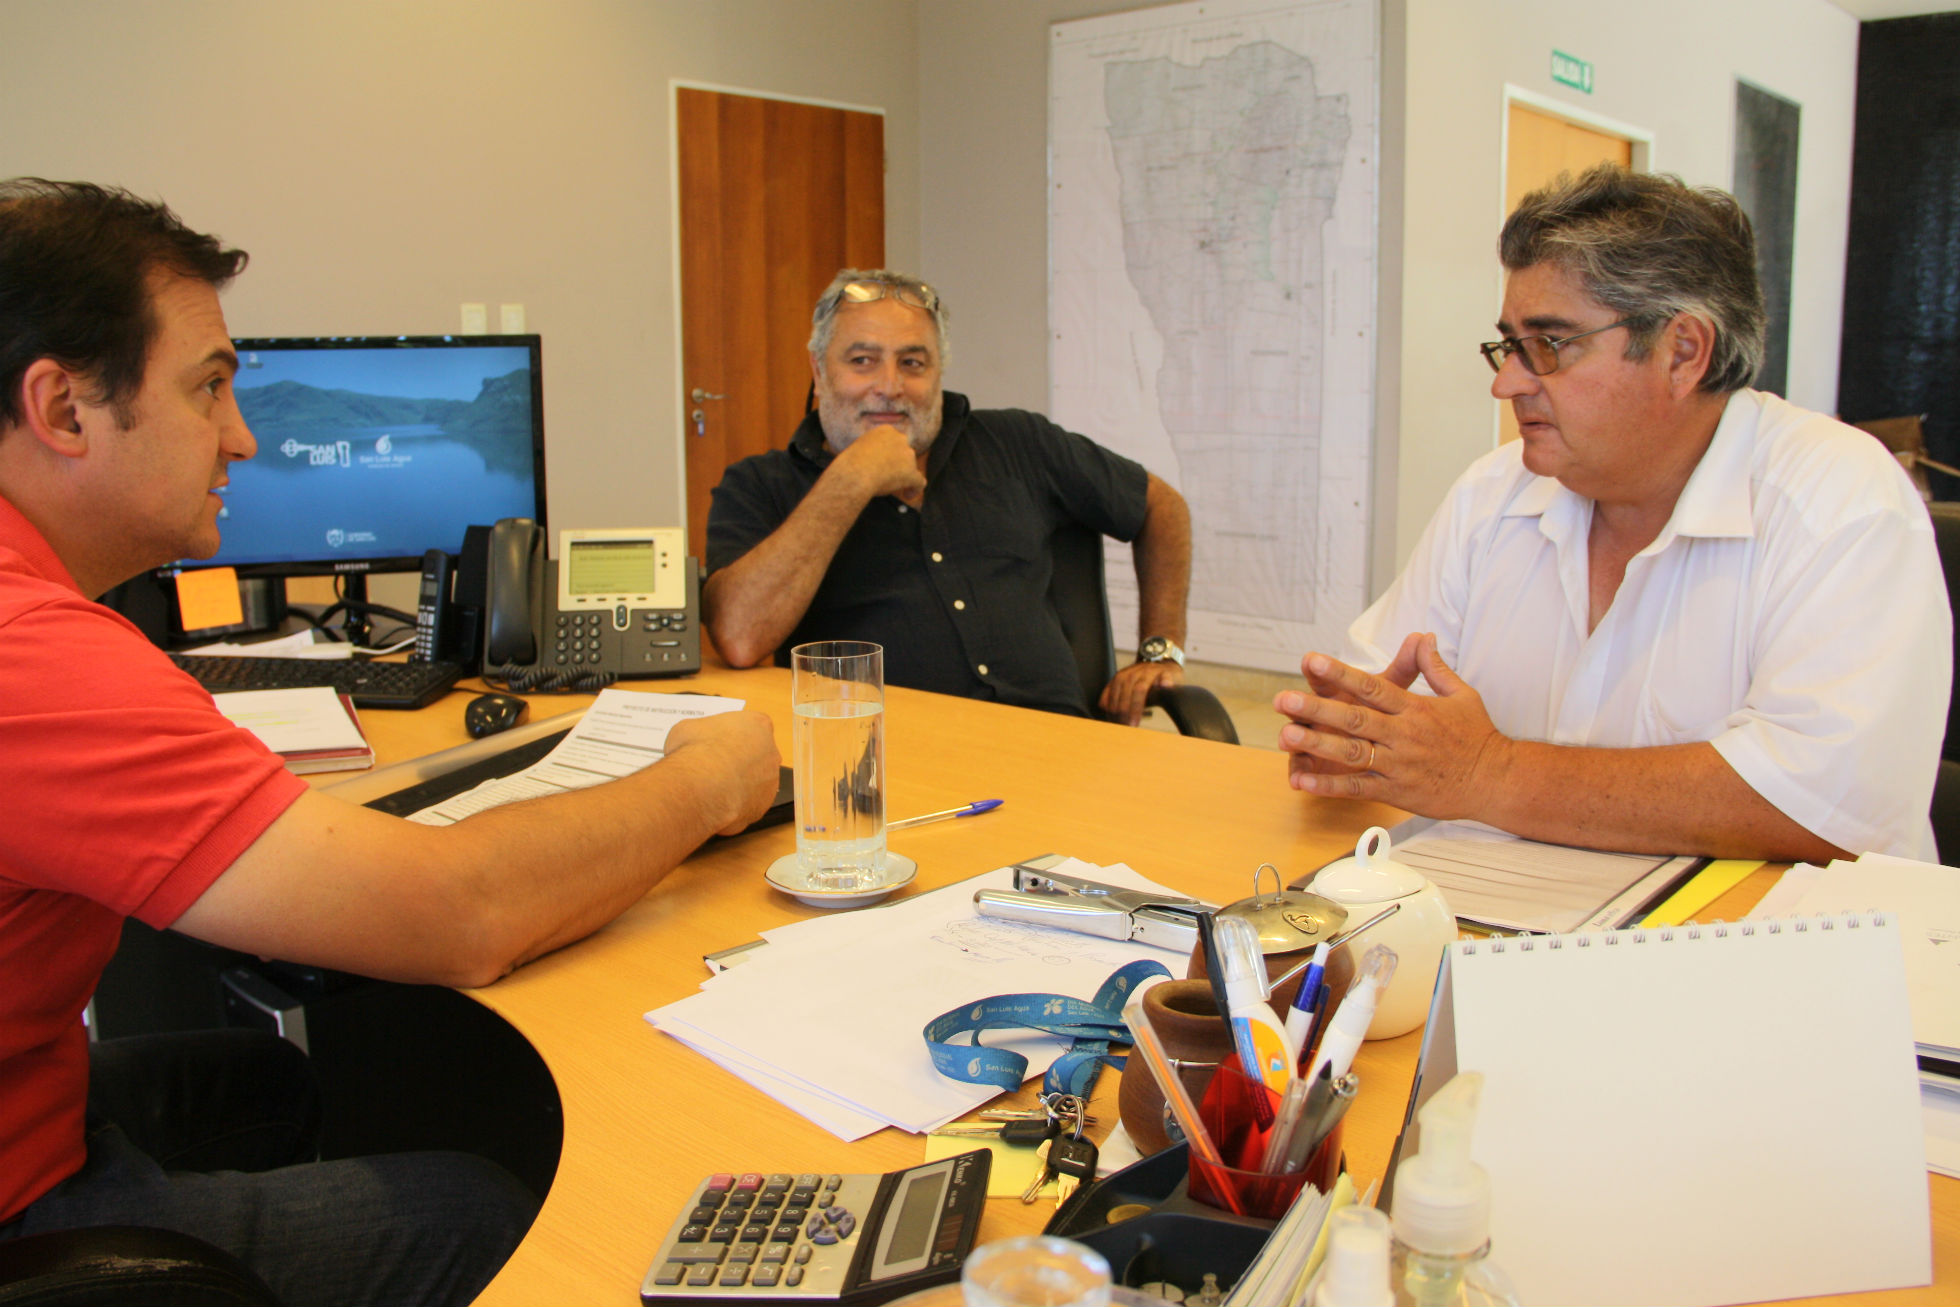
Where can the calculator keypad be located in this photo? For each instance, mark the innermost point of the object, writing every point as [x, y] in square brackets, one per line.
[755, 1231]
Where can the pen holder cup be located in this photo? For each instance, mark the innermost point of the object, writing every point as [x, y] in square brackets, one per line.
[1196, 1040]
[1230, 1115]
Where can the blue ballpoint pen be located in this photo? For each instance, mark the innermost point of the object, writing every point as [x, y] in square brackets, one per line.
[970, 810]
[1299, 1020]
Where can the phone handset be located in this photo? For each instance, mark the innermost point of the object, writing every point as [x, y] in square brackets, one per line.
[432, 615]
[513, 577]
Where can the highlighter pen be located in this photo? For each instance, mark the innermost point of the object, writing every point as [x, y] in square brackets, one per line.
[1256, 1029]
[1299, 1018]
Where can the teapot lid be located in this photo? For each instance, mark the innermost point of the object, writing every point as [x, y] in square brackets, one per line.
[1287, 919]
[1370, 876]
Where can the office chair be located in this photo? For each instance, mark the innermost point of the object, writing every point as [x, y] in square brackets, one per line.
[1946, 789]
[1081, 601]
[125, 1266]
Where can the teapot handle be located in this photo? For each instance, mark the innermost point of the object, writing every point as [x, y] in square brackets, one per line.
[1374, 844]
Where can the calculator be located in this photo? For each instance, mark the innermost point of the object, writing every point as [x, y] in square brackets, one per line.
[847, 1239]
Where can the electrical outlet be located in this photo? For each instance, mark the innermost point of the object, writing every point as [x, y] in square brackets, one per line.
[510, 318]
[476, 320]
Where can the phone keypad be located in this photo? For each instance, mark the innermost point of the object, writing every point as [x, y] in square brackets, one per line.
[577, 639]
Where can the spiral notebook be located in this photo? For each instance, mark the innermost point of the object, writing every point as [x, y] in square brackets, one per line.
[1693, 1115]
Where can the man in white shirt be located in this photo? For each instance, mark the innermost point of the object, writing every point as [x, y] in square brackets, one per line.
[1697, 619]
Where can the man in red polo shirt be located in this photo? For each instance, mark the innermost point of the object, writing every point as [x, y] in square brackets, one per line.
[129, 795]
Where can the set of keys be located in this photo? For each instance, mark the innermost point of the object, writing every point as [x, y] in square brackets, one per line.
[1062, 1153]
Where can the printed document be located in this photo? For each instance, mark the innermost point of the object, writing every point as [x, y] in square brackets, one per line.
[620, 733]
[850, 1054]
[1503, 882]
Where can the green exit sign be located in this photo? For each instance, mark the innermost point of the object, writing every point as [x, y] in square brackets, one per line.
[1568, 70]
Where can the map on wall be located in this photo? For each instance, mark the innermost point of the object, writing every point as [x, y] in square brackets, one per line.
[1212, 177]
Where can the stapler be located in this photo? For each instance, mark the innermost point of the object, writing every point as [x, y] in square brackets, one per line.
[1046, 897]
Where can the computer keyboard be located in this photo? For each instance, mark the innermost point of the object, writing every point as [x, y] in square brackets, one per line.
[372, 684]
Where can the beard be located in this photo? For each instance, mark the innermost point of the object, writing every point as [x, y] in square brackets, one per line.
[844, 419]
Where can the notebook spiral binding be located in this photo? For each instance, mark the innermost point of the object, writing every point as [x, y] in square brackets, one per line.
[1668, 934]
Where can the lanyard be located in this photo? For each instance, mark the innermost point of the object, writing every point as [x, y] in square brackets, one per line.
[1090, 1026]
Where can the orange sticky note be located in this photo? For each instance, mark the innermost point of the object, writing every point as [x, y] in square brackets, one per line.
[209, 598]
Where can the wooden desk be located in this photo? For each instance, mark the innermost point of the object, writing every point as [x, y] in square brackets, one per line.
[646, 1118]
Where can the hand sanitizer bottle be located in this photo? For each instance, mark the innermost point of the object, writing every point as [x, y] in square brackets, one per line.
[1441, 1210]
[1355, 1273]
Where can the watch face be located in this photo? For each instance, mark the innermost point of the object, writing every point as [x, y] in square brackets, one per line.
[1153, 649]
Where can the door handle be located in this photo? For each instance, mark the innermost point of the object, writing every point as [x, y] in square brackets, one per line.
[698, 395]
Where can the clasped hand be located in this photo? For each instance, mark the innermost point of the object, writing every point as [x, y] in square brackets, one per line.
[886, 464]
[1361, 735]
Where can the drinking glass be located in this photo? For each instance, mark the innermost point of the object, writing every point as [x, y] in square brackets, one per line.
[1035, 1271]
[838, 700]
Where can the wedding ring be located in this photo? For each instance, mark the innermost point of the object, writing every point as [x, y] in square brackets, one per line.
[1371, 756]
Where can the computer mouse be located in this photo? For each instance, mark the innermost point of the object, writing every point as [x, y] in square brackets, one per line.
[489, 713]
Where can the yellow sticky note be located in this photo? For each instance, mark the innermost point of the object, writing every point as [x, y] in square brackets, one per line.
[208, 598]
[1707, 885]
[1014, 1165]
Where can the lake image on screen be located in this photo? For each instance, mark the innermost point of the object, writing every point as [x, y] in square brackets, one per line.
[348, 472]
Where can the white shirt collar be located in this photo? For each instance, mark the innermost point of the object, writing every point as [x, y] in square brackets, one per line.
[1716, 502]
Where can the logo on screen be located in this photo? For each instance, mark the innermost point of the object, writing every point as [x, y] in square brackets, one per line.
[338, 454]
[336, 537]
[383, 445]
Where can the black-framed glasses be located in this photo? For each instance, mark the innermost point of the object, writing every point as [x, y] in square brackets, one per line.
[1540, 353]
[920, 296]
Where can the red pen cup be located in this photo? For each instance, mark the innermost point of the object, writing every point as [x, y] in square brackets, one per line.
[1229, 1113]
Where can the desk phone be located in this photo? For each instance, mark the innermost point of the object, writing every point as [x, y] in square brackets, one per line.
[622, 602]
[844, 1239]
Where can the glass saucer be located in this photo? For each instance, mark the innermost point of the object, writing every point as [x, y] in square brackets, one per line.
[787, 875]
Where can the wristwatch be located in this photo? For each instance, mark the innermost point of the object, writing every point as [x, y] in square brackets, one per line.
[1160, 649]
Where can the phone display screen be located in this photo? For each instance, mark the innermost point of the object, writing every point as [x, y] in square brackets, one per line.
[611, 567]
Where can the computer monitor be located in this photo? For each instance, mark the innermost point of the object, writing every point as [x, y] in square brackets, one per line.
[375, 449]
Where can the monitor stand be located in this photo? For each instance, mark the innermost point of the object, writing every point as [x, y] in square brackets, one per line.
[354, 622]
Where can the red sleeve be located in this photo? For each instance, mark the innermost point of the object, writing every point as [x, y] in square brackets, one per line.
[126, 785]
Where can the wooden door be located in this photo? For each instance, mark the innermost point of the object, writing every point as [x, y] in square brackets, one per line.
[1540, 148]
[775, 197]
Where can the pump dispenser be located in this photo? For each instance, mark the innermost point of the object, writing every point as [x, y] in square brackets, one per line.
[1355, 1273]
[1441, 1210]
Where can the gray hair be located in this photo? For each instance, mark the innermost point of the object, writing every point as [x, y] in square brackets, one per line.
[1649, 247]
[823, 320]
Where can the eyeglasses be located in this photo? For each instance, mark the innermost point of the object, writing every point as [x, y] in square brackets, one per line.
[1540, 353]
[870, 292]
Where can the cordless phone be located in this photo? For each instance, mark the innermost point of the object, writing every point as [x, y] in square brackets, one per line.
[432, 606]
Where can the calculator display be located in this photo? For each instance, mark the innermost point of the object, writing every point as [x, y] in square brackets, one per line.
[912, 1229]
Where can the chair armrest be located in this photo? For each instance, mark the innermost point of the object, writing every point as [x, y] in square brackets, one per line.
[125, 1263]
[1195, 710]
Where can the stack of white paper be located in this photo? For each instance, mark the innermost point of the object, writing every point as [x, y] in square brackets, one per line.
[1926, 898]
[828, 1019]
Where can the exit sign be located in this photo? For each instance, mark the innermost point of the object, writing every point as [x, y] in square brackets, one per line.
[1568, 70]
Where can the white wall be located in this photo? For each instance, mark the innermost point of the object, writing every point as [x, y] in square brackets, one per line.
[1668, 67]
[386, 160]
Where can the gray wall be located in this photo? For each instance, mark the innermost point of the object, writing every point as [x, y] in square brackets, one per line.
[1669, 72]
[385, 162]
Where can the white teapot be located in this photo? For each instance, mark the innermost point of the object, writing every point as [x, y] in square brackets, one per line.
[1419, 930]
